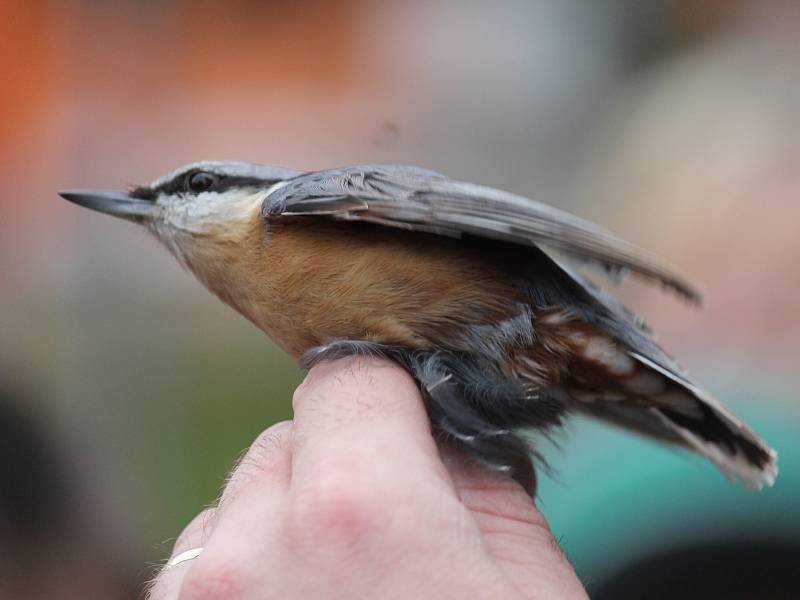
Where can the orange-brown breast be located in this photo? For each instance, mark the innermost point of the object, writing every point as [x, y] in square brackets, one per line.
[306, 281]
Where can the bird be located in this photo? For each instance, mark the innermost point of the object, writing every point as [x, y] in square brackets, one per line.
[480, 294]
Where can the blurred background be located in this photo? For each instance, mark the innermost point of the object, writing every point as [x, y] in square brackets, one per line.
[127, 391]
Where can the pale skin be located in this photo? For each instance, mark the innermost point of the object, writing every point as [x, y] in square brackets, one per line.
[352, 499]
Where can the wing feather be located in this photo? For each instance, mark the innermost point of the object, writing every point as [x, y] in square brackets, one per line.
[417, 199]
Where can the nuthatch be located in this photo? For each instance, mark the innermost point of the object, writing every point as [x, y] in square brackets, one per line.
[450, 280]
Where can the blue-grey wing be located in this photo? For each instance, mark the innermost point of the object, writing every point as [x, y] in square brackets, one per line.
[421, 200]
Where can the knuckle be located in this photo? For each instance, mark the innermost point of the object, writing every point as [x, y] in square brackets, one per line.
[262, 458]
[308, 396]
[336, 512]
[213, 578]
[301, 391]
[267, 447]
[272, 438]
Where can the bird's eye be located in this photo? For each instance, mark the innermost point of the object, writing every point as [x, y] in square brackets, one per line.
[200, 181]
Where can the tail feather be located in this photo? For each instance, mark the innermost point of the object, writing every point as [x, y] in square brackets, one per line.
[630, 390]
[717, 433]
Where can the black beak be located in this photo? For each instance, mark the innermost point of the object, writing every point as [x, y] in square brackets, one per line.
[118, 204]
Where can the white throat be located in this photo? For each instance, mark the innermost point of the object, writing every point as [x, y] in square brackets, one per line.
[209, 210]
[182, 220]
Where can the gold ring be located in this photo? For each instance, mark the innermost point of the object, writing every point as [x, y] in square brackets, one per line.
[183, 557]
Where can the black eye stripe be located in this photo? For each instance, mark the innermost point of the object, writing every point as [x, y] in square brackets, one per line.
[178, 185]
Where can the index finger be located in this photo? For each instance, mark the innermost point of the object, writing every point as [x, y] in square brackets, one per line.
[364, 415]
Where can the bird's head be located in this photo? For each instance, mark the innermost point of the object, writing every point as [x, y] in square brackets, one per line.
[209, 200]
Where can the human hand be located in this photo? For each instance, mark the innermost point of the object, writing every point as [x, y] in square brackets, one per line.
[353, 500]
